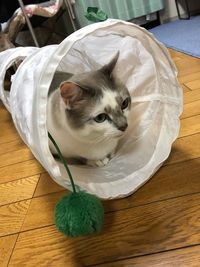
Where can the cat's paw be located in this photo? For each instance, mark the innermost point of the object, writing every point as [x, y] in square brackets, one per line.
[98, 163]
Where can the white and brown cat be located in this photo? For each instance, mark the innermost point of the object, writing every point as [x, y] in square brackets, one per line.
[87, 114]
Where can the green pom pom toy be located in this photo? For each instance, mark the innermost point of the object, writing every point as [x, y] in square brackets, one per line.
[79, 213]
[95, 14]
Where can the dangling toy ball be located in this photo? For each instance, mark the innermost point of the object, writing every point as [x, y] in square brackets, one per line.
[79, 214]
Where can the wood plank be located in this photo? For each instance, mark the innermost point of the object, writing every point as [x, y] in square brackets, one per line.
[185, 88]
[41, 211]
[195, 84]
[190, 126]
[18, 190]
[191, 109]
[174, 53]
[185, 148]
[182, 66]
[191, 96]
[186, 257]
[176, 58]
[6, 246]
[12, 146]
[20, 170]
[189, 77]
[4, 114]
[8, 132]
[170, 181]
[12, 217]
[17, 156]
[128, 233]
[47, 185]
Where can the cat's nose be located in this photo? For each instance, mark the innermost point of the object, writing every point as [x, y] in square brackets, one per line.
[123, 127]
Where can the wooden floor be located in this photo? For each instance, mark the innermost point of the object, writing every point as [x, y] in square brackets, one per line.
[159, 225]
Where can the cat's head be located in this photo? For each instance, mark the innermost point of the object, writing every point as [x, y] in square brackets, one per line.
[97, 104]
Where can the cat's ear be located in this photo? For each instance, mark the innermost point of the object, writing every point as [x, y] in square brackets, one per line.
[70, 93]
[108, 68]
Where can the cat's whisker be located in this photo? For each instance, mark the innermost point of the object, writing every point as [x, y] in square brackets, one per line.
[98, 139]
[114, 134]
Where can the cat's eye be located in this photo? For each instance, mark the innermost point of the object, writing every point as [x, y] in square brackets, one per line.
[125, 103]
[100, 118]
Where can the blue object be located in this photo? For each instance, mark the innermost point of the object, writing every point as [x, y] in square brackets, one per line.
[181, 35]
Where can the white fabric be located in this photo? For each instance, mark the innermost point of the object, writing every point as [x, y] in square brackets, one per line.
[143, 65]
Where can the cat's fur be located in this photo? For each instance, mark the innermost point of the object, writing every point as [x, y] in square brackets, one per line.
[73, 108]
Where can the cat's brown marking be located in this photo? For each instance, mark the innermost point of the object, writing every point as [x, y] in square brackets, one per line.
[71, 93]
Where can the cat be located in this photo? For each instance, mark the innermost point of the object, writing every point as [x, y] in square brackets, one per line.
[88, 113]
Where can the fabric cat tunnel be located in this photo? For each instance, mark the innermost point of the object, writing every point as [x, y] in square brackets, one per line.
[144, 66]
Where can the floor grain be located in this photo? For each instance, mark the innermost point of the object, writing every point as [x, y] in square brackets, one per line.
[159, 225]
